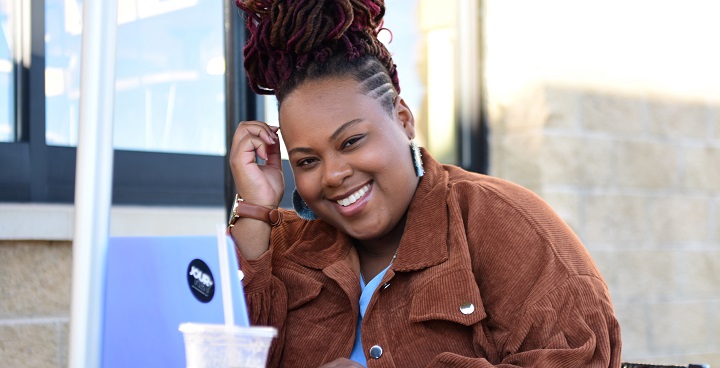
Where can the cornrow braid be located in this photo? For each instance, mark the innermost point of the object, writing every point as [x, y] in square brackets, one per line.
[293, 40]
[374, 79]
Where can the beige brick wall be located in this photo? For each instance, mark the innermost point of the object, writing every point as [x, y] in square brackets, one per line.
[34, 303]
[637, 176]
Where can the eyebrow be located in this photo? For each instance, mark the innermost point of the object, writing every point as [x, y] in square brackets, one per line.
[343, 128]
[333, 136]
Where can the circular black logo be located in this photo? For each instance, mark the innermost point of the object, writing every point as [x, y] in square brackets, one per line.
[201, 280]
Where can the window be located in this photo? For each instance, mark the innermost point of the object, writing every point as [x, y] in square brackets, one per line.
[436, 48]
[175, 93]
[440, 80]
[170, 105]
[169, 93]
[7, 75]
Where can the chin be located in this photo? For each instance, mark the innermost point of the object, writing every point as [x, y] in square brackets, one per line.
[365, 233]
[366, 228]
[363, 236]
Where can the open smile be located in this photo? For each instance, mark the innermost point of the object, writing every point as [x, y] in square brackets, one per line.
[352, 198]
[354, 203]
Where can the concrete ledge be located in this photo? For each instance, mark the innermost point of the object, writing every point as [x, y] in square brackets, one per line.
[55, 222]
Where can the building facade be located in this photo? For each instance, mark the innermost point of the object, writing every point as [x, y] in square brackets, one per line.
[610, 112]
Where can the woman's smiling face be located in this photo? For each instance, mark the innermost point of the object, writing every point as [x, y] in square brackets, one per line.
[350, 158]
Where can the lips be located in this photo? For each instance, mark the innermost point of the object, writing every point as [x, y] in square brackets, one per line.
[352, 198]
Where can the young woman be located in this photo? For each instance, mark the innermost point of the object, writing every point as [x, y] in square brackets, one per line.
[392, 259]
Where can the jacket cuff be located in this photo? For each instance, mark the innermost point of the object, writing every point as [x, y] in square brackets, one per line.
[256, 273]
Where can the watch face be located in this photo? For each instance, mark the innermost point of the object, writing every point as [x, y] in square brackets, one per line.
[233, 214]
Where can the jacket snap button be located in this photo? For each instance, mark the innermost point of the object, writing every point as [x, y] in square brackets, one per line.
[467, 308]
[386, 285]
[376, 352]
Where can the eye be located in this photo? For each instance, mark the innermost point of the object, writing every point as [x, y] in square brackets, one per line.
[306, 163]
[352, 141]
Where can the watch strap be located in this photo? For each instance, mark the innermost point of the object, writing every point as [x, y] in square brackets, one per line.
[246, 210]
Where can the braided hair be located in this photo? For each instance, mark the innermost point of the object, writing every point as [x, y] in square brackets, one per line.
[292, 41]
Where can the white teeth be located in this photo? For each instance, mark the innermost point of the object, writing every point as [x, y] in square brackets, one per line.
[352, 198]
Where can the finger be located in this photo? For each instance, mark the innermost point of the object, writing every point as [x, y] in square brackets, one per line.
[258, 129]
[245, 151]
[255, 124]
[260, 148]
[273, 156]
[253, 129]
[262, 133]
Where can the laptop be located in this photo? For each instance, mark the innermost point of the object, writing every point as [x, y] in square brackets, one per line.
[154, 284]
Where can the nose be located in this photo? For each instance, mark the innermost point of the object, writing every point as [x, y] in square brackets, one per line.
[336, 170]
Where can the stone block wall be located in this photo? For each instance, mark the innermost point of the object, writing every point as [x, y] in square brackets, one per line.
[34, 303]
[637, 176]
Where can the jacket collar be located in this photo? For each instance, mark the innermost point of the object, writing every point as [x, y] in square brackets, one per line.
[423, 243]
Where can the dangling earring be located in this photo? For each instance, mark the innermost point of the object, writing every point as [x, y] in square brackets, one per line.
[301, 207]
[417, 161]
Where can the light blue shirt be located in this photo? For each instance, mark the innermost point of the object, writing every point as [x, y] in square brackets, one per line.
[368, 290]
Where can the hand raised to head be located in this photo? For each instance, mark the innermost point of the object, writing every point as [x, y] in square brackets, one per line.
[261, 185]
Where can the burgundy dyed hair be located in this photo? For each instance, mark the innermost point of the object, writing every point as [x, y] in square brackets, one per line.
[295, 40]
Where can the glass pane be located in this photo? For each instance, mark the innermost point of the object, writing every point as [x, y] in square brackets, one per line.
[422, 41]
[403, 40]
[169, 89]
[424, 47]
[7, 95]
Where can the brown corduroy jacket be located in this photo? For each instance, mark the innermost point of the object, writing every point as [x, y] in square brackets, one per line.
[530, 294]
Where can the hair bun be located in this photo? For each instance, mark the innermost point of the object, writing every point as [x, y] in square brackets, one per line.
[286, 35]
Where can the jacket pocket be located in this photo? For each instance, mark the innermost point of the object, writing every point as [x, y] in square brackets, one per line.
[300, 288]
[451, 296]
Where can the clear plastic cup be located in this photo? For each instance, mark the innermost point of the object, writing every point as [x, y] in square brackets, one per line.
[222, 346]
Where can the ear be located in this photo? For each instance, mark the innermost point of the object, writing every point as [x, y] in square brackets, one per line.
[405, 116]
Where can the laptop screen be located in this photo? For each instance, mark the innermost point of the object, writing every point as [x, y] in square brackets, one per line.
[153, 285]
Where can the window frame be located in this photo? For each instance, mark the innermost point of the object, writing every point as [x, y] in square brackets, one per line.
[33, 171]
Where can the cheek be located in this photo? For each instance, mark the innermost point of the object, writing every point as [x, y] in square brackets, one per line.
[396, 171]
[306, 184]
[396, 159]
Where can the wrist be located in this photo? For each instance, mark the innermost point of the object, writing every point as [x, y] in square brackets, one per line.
[242, 209]
[255, 200]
